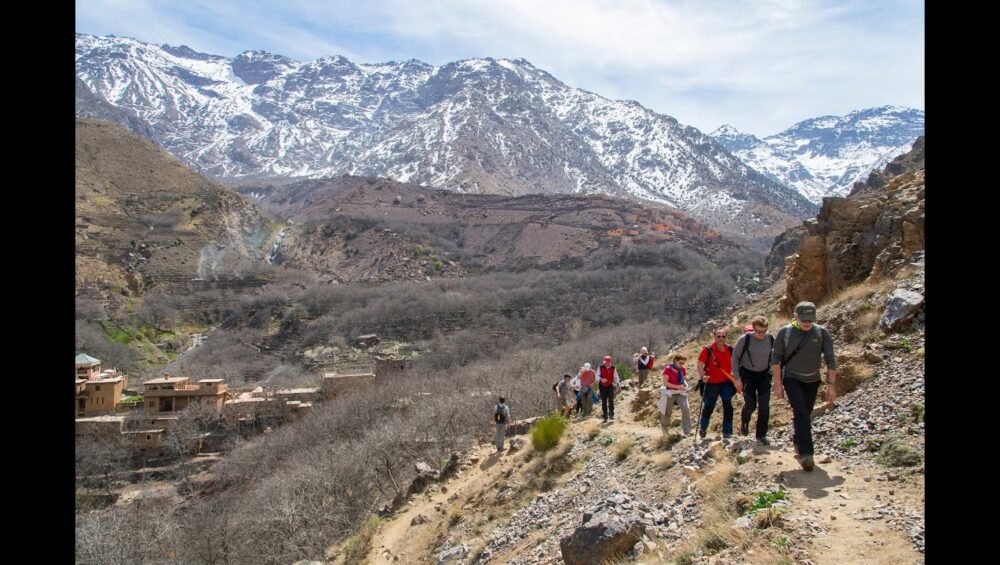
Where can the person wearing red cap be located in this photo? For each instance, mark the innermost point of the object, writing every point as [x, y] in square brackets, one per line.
[608, 384]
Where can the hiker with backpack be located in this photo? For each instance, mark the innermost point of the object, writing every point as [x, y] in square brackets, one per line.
[608, 385]
[674, 391]
[501, 415]
[795, 361]
[714, 362]
[587, 377]
[752, 368]
[564, 395]
[643, 364]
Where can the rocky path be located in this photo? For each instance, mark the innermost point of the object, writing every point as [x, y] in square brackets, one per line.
[518, 506]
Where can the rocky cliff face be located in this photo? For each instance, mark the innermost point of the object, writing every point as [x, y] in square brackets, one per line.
[870, 234]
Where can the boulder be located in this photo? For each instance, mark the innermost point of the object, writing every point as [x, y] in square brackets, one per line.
[605, 536]
[900, 309]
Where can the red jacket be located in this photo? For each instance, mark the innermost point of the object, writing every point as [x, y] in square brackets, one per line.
[725, 359]
[587, 377]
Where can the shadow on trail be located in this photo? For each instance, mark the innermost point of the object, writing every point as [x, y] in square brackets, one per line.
[815, 482]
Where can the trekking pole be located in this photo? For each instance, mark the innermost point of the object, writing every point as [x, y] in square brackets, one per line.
[701, 406]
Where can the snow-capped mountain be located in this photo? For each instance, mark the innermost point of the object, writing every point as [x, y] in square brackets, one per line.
[478, 125]
[825, 156]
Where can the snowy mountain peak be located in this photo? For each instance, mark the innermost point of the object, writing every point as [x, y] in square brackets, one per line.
[481, 125]
[826, 155]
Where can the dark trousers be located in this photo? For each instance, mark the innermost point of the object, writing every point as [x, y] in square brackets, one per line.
[607, 401]
[801, 397]
[712, 393]
[756, 392]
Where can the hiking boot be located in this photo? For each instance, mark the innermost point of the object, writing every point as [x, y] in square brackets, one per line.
[806, 461]
[702, 433]
[727, 436]
[744, 428]
[612, 417]
[763, 441]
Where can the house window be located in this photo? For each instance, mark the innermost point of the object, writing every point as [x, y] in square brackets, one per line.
[149, 436]
[97, 387]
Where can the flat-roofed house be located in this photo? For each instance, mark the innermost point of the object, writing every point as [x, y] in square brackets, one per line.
[172, 394]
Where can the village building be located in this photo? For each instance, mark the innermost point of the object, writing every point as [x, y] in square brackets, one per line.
[168, 394]
[98, 391]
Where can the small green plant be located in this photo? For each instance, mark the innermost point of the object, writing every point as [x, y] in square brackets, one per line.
[437, 265]
[780, 542]
[766, 499]
[895, 453]
[906, 345]
[917, 412]
[419, 249]
[607, 440]
[873, 445]
[848, 443]
[546, 432]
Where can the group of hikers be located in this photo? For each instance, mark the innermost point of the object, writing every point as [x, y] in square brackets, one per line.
[790, 360]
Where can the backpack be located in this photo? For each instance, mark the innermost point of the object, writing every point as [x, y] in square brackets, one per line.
[555, 387]
[498, 416]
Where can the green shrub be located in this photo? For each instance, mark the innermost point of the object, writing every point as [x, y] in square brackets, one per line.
[895, 453]
[546, 432]
[607, 440]
[848, 443]
[917, 411]
[624, 371]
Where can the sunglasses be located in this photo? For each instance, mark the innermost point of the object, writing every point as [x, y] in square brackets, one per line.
[760, 331]
[720, 335]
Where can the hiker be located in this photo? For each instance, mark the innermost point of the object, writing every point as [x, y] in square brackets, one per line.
[501, 415]
[752, 368]
[643, 364]
[795, 361]
[575, 384]
[609, 384]
[587, 377]
[675, 390]
[713, 365]
[564, 394]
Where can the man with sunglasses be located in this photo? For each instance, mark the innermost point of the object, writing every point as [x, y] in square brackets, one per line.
[752, 367]
[713, 364]
[795, 361]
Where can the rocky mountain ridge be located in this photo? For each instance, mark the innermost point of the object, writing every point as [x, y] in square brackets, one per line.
[825, 156]
[493, 126]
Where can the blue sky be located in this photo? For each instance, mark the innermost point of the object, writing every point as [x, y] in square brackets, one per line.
[758, 65]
